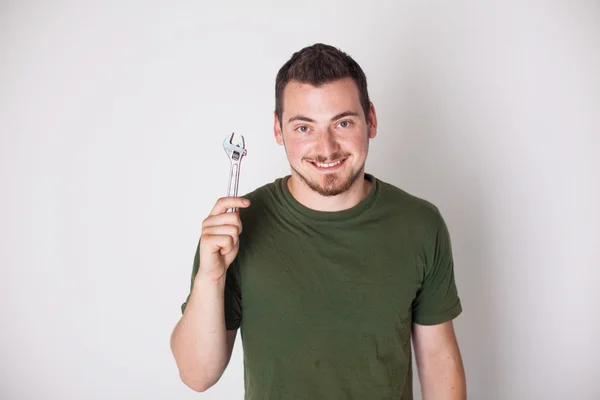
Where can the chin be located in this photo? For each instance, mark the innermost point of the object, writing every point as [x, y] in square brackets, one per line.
[330, 184]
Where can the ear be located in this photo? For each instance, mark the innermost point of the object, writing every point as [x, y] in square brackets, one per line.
[372, 121]
[277, 129]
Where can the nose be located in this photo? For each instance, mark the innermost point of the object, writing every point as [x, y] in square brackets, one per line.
[328, 144]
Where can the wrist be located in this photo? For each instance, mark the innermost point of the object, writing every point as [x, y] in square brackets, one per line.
[202, 279]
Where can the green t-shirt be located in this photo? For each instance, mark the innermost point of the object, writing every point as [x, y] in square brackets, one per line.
[325, 300]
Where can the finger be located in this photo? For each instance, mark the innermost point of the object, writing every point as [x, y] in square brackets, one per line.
[223, 219]
[224, 203]
[218, 243]
[221, 230]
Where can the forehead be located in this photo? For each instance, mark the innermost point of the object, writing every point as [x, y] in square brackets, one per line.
[333, 97]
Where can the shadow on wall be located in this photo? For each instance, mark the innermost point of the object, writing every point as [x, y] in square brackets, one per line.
[435, 164]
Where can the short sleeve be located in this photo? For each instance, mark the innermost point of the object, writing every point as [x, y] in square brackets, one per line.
[233, 300]
[437, 300]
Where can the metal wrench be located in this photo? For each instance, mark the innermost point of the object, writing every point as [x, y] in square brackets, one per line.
[235, 147]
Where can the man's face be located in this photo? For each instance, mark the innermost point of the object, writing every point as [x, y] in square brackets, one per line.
[325, 134]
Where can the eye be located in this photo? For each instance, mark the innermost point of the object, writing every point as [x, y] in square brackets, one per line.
[302, 129]
[345, 124]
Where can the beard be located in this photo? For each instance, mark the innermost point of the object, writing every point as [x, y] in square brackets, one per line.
[334, 183]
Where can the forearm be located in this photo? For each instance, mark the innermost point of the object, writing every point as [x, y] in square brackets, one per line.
[199, 341]
[443, 378]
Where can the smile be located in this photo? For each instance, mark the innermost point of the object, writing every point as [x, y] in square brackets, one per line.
[328, 166]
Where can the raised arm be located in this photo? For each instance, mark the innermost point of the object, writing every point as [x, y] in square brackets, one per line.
[200, 342]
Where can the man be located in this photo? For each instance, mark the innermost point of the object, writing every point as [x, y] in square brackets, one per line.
[328, 272]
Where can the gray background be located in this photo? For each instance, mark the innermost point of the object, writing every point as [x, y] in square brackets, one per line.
[112, 118]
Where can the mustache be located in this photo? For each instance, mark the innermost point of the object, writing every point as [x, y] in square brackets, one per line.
[333, 157]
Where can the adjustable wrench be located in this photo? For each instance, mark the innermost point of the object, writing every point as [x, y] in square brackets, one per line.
[235, 148]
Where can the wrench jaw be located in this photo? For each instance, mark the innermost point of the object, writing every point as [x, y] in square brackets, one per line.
[235, 146]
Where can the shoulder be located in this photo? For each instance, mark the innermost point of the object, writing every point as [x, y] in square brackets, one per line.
[262, 199]
[263, 195]
[416, 219]
[399, 202]
[264, 192]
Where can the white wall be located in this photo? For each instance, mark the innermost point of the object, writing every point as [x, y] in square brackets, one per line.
[111, 122]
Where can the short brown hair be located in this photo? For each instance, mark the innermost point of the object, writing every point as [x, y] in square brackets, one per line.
[317, 65]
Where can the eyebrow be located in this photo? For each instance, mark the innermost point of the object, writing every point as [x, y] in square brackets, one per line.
[341, 115]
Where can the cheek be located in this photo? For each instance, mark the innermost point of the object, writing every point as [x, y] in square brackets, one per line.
[298, 148]
[358, 143]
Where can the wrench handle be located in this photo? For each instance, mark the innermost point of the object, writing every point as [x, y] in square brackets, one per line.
[234, 179]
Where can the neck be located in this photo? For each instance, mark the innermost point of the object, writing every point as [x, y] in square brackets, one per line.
[313, 200]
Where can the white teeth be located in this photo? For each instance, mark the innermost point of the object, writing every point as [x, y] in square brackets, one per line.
[321, 165]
